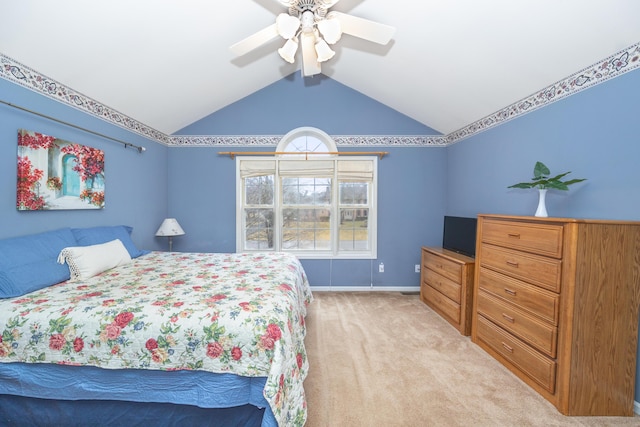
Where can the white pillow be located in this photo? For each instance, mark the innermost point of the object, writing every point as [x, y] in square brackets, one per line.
[87, 261]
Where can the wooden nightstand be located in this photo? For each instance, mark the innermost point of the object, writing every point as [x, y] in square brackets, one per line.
[446, 285]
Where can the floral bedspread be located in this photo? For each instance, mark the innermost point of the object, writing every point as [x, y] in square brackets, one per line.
[223, 313]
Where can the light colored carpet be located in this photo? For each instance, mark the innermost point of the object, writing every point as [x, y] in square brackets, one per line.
[386, 359]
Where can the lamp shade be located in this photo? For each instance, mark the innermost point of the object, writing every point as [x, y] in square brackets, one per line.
[288, 51]
[287, 25]
[330, 30]
[324, 51]
[170, 227]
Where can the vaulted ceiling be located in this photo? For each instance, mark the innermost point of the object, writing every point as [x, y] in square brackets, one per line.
[167, 63]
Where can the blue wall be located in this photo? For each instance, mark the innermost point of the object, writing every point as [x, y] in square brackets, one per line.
[202, 197]
[411, 188]
[594, 134]
[316, 101]
[136, 184]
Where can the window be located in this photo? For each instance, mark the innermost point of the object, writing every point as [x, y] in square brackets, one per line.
[314, 205]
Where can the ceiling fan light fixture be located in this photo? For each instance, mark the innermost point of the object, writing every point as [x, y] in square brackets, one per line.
[287, 25]
[310, 26]
[288, 51]
[330, 30]
[323, 50]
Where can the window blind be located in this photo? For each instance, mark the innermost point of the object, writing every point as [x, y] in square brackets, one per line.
[253, 168]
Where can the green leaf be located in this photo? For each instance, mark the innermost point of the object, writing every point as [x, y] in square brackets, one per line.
[540, 170]
[58, 325]
[573, 181]
[213, 332]
[557, 185]
[521, 185]
[162, 342]
[167, 328]
[541, 179]
[558, 177]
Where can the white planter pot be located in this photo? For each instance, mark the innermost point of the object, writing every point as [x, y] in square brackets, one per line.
[542, 207]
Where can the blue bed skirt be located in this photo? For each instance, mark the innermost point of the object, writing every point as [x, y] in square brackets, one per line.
[46, 395]
[16, 411]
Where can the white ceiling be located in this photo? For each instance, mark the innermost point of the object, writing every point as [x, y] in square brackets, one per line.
[166, 63]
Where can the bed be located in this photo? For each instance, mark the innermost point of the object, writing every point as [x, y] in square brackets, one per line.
[168, 338]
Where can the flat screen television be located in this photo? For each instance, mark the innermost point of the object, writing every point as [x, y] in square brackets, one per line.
[459, 235]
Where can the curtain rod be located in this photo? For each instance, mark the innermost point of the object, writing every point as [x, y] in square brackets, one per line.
[126, 144]
[232, 154]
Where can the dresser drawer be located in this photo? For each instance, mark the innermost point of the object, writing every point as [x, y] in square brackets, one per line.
[542, 336]
[538, 270]
[440, 302]
[543, 239]
[443, 284]
[534, 300]
[443, 266]
[539, 368]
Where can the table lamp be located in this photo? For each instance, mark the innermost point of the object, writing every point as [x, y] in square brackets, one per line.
[170, 228]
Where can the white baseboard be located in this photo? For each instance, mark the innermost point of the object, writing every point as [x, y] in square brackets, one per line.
[636, 407]
[365, 288]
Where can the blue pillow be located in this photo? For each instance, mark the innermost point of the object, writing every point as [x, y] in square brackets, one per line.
[29, 263]
[97, 235]
[26, 278]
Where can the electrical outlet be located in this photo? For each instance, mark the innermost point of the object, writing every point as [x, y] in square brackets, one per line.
[381, 268]
[417, 268]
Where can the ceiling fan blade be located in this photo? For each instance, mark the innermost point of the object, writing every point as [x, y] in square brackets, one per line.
[363, 28]
[255, 40]
[310, 64]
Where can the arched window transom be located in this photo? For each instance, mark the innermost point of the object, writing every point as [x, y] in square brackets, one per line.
[306, 140]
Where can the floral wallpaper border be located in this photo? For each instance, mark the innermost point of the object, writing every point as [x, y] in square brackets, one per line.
[615, 65]
[26, 77]
[341, 141]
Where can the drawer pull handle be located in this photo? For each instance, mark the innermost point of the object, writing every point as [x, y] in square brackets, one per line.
[514, 235]
[512, 263]
[510, 291]
[508, 318]
[508, 348]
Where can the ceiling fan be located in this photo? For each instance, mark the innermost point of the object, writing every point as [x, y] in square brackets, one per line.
[310, 24]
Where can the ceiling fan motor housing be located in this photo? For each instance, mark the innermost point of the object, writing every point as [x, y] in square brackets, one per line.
[307, 20]
[319, 8]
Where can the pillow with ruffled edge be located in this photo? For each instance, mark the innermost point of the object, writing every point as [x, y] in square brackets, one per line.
[87, 261]
[28, 263]
[96, 235]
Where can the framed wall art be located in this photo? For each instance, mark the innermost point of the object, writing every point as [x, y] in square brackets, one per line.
[57, 174]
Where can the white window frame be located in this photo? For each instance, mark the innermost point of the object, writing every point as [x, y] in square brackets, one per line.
[334, 252]
[306, 139]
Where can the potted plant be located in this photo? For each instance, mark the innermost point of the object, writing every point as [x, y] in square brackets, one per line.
[543, 182]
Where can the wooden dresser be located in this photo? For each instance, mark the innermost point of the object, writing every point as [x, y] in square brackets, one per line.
[446, 285]
[556, 301]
